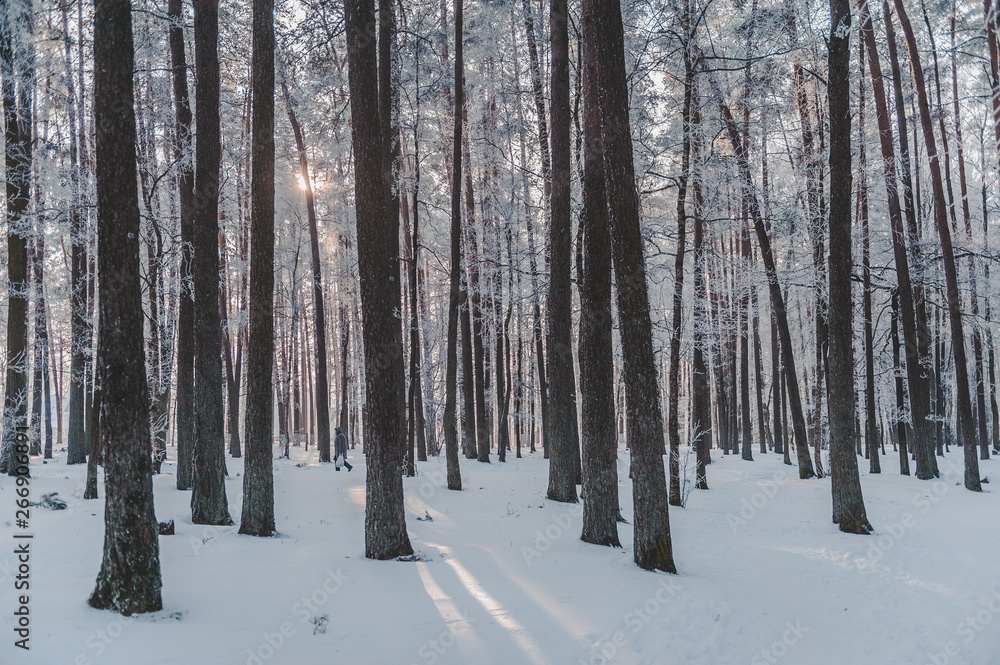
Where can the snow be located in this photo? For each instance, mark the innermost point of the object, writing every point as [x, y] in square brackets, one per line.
[503, 577]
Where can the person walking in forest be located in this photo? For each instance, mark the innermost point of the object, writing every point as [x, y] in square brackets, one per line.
[340, 449]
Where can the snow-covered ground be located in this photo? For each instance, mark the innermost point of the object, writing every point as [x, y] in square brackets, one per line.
[503, 577]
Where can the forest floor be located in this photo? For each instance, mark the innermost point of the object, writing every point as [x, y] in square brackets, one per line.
[502, 577]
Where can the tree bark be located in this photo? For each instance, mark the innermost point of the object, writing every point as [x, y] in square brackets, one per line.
[652, 545]
[871, 411]
[562, 436]
[977, 338]
[455, 277]
[17, 159]
[129, 579]
[185, 309]
[777, 301]
[673, 381]
[258, 478]
[208, 501]
[378, 265]
[848, 502]
[600, 454]
[538, 95]
[906, 290]
[76, 445]
[319, 308]
[701, 396]
[953, 298]
[920, 392]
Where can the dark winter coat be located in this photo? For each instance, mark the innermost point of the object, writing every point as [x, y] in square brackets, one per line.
[340, 445]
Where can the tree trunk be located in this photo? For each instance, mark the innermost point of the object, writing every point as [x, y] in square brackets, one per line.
[906, 291]
[185, 310]
[701, 396]
[208, 501]
[129, 579]
[653, 550]
[920, 392]
[232, 378]
[600, 454]
[990, 13]
[94, 454]
[319, 310]
[562, 436]
[258, 479]
[416, 428]
[40, 341]
[848, 502]
[777, 301]
[904, 457]
[17, 159]
[977, 340]
[455, 277]
[966, 425]
[673, 381]
[378, 249]
[543, 149]
[871, 412]
[76, 445]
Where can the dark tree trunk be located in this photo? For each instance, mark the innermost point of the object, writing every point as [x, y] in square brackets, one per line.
[538, 95]
[416, 427]
[776, 395]
[673, 381]
[208, 501]
[185, 309]
[777, 300]
[40, 342]
[468, 374]
[319, 308]
[387, 75]
[701, 396]
[378, 249]
[17, 159]
[758, 365]
[816, 234]
[76, 445]
[871, 411]
[906, 290]
[94, 454]
[848, 502]
[129, 580]
[977, 338]
[562, 437]
[653, 550]
[258, 479]
[964, 405]
[455, 277]
[920, 389]
[990, 14]
[904, 457]
[232, 378]
[600, 454]
[989, 326]
[503, 336]
[345, 345]
[746, 426]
